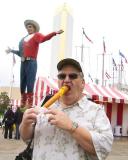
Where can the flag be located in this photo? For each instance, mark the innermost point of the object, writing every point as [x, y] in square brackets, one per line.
[104, 46]
[114, 64]
[14, 60]
[123, 56]
[90, 77]
[87, 36]
[107, 75]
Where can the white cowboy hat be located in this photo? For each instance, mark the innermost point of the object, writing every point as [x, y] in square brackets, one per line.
[26, 22]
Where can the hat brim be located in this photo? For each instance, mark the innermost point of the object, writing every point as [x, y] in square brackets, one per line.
[37, 27]
[69, 61]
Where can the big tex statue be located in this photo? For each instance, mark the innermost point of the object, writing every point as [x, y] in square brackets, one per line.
[28, 51]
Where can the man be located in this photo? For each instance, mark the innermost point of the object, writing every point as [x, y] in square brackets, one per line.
[28, 51]
[8, 120]
[17, 120]
[73, 128]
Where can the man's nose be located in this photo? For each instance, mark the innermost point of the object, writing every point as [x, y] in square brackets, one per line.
[67, 78]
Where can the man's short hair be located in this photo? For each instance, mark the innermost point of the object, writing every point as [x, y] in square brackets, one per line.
[69, 61]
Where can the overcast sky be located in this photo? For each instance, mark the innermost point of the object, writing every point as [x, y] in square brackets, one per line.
[100, 18]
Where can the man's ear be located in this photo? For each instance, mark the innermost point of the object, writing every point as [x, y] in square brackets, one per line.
[83, 83]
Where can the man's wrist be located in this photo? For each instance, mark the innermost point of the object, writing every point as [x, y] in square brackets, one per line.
[74, 127]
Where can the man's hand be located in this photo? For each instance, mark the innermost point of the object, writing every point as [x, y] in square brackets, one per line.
[59, 119]
[59, 32]
[8, 50]
[29, 116]
[27, 125]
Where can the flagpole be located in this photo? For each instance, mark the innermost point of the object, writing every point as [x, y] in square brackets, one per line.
[113, 76]
[11, 84]
[97, 66]
[103, 62]
[120, 75]
[76, 51]
[82, 47]
[103, 69]
[12, 77]
[121, 70]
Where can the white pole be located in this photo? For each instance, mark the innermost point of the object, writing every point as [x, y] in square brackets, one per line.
[82, 47]
[103, 70]
[11, 82]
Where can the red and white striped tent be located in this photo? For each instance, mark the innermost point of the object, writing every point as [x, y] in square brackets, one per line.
[43, 87]
[115, 102]
[97, 93]
[15, 102]
[105, 94]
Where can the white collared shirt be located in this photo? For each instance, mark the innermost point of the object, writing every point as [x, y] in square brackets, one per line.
[52, 143]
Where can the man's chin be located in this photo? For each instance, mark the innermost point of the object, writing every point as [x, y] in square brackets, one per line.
[68, 94]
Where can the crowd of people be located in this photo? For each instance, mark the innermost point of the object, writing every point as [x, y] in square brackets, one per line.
[10, 123]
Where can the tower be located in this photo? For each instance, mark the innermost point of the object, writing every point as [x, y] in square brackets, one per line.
[61, 45]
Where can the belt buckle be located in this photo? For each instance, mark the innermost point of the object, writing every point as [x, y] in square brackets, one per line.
[28, 58]
[22, 59]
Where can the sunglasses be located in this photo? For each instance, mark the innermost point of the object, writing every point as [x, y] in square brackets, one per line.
[71, 76]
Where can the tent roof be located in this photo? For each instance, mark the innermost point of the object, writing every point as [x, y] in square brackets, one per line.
[97, 93]
[105, 94]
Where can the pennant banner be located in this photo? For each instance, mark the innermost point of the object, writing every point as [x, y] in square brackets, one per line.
[123, 56]
[87, 36]
[90, 77]
[122, 66]
[114, 64]
[107, 75]
[104, 46]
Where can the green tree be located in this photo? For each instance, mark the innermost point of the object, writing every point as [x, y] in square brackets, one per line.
[4, 102]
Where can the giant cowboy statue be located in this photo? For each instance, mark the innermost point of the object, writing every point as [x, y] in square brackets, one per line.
[28, 51]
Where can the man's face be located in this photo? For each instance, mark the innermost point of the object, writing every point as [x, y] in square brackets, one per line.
[30, 29]
[71, 77]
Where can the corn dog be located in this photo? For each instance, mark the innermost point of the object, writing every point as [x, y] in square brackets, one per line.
[60, 93]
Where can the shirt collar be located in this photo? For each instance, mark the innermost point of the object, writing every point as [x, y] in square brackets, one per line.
[80, 103]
